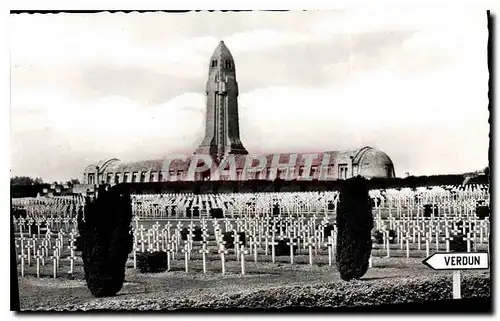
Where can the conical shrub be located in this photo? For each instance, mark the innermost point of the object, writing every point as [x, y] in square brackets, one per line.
[105, 241]
[354, 224]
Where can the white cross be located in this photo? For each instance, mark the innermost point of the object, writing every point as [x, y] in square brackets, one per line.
[141, 231]
[38, 257]
[22, 256]
[222, 251]
[237, 243]
[38, 223]
[254, 244]
[186, 256]
[427, 239]
[330, 250]
[29, 246]
[54, 262]
[170, 253]
[310, 245]
[150, 245]
[204, 253]
[291, 243]
[242, 253]
[273, 243]
[72, 257]
[447, 239]
[142, 242]
[407, 239]
[468, 238]
[387, 241]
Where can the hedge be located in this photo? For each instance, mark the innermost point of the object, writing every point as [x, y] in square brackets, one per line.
[355, 224]
[332, 295]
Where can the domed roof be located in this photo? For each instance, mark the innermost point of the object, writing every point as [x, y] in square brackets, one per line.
[372, 155]
[367, 154]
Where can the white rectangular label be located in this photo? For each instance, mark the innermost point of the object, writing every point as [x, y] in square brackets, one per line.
[458, 261]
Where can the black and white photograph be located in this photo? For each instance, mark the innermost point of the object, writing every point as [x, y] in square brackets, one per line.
[295, 160]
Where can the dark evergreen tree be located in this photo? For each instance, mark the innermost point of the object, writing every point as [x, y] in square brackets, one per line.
[105, 240]
[354, 223]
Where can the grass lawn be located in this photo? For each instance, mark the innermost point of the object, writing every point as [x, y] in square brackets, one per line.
[178, 289]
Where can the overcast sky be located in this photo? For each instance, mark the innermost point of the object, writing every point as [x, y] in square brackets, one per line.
[87, 87]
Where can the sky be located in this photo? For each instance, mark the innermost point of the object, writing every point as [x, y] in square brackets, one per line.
[89, 87]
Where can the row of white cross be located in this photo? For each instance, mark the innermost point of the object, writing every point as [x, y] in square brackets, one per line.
[262, 235]
[242, 204]
[56, 206]
[48, 247]
[57, 223]
[432, 234]
[464, 209]
[40, 223]
[258, 234]
[451, 200]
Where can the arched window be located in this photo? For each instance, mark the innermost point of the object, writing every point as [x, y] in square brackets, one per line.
[214, 63]
[229, 64]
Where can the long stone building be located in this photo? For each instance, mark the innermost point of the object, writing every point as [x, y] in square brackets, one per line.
[222, 142]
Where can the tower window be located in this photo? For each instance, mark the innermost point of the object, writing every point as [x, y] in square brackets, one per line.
[229, 65]
[214, 63]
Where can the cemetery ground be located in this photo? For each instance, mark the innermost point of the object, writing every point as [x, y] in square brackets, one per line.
[264, 285]
[271, 280]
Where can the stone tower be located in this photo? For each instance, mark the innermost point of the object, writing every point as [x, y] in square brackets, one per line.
[222, 130]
